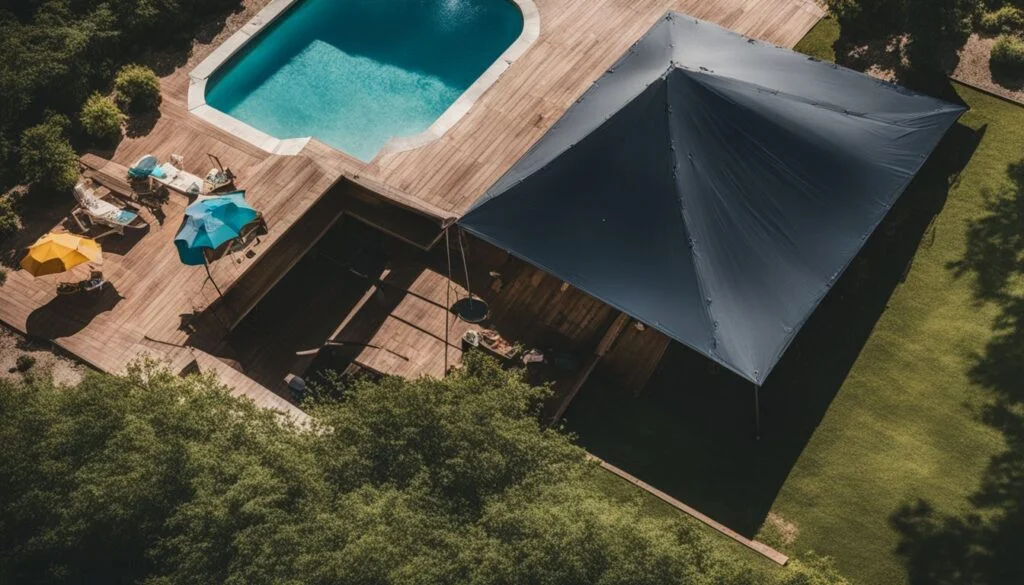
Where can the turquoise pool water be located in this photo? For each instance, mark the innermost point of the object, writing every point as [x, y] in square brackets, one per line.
[354, 73]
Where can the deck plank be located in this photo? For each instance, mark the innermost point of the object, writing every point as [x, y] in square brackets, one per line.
[153, 294]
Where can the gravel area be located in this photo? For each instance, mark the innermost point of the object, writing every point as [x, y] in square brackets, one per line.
[12, 345]
[973, 69]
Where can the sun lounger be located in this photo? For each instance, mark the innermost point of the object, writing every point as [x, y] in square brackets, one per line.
[142, 168]
[178, 180]
[102, 212]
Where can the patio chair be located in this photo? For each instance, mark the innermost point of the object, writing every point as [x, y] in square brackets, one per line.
[101, 212]
[176, 179]
[142, 168]
[249, 234]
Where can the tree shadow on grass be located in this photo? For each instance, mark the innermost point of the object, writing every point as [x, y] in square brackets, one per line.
[986, 545]
[691, 432]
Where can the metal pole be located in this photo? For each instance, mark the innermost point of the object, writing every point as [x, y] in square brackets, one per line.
[447, 297]
[757, 412]
[465, 266]
[206, 263]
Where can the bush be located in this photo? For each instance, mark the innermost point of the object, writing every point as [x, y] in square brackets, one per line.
[24, 363]
[154, 478]
[3, 276]
[137, 88]
[9, 220]
[1007, 57]
[1007, 19]
[47, 157]
[101, 118]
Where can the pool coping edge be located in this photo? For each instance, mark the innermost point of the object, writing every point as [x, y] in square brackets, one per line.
[467, 99]
[200, 75]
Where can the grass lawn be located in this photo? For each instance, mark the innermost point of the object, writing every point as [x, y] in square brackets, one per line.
[894, 426]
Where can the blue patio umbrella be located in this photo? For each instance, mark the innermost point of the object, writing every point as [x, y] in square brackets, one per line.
[209, 222]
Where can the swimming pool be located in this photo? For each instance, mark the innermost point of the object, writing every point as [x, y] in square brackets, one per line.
[356, 73]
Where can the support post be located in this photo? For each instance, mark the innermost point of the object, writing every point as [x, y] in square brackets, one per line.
[447, 298]
[757, 412]
[206, 264]
[465, 265]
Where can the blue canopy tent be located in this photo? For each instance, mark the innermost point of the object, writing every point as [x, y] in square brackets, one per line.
[713, 187]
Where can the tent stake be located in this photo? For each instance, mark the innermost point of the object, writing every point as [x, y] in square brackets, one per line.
[757, 412]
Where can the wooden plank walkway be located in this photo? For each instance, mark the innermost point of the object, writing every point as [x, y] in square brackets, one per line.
[410, 341]
[154, 295]
[579, 40]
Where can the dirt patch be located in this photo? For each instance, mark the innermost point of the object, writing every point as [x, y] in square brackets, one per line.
[973, 69]
[13, 345]
[179, 60]
[778, 532]
[210, 37]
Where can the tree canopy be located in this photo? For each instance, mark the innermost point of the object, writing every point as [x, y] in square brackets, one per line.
[155, 479]
[57, 52]
[927, 33]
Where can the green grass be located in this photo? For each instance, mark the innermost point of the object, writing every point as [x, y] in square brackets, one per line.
[622, 491]
[818, 42]
[893, 426]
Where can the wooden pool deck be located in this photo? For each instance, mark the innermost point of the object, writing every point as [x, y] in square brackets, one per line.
[154, 296]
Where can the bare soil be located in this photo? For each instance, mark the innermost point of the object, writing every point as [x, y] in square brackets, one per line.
[973, 69]
[64, 370]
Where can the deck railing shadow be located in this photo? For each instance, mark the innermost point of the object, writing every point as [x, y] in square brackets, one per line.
[691, 431]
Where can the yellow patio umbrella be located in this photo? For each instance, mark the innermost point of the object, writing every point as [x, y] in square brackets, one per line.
[55, 253]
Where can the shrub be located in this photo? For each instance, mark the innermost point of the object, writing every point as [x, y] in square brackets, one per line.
[24, 363]
[137, 88]
[3, 276]
[46, 155]
[1007, 19]
[101, 118]
[9, 221]
[1007, 57]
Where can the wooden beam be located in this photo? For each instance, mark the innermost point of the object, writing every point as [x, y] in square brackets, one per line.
[613, 332]
[758, 547]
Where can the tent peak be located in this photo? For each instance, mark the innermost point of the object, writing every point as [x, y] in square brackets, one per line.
[712, 187]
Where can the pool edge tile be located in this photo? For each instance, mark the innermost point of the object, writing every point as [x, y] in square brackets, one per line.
[198, 77]
[461, 106]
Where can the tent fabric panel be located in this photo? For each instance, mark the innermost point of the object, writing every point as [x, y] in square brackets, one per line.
[713, 187]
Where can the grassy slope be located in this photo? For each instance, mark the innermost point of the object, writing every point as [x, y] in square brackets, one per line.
[905, 424]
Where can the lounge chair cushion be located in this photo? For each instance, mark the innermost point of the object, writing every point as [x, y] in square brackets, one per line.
[102, 210]
[142, 167]
[124, 217]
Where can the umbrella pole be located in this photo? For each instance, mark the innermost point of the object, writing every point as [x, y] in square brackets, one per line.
[757, 412]
[206, 264]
